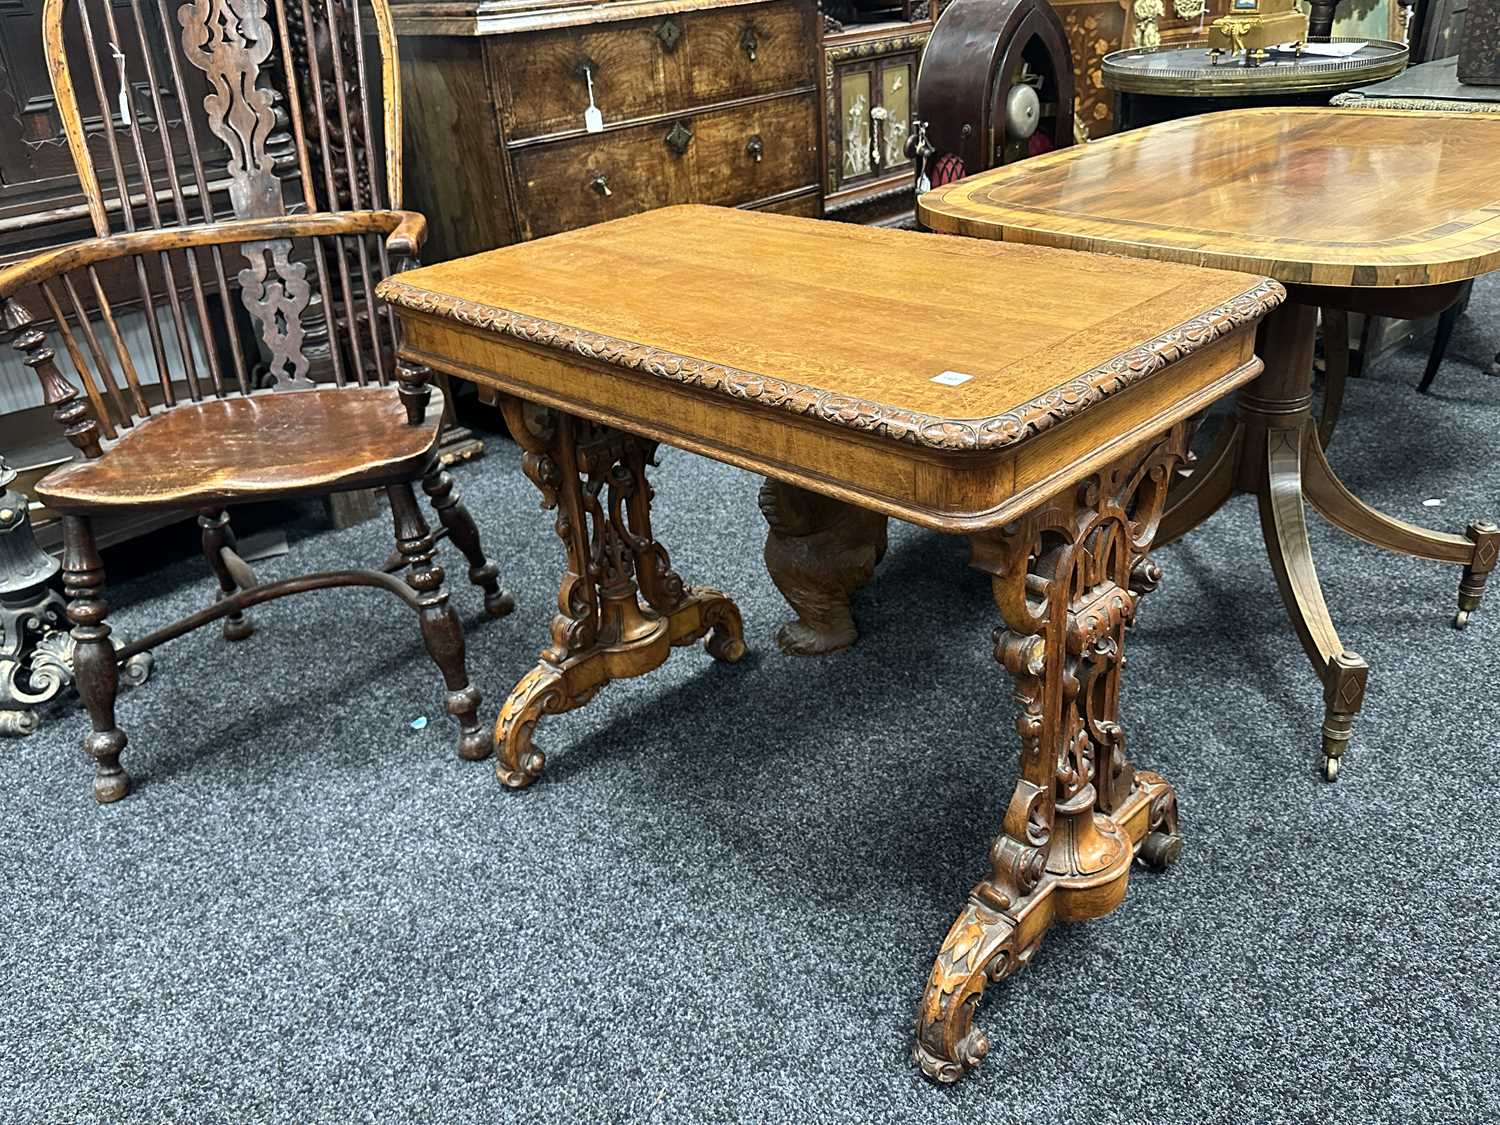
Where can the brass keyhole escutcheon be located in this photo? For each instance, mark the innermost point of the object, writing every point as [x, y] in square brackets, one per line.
[669, 31]
[749, 43]
[679, 138]
[756, 148]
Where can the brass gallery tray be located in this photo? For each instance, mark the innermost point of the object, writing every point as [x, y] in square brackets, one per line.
[1187, 71]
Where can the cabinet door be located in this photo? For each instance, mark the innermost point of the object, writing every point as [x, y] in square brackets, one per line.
[851, 131]
[871, 116]
[897, 77]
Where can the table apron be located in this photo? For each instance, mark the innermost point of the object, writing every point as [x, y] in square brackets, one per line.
[957, 493]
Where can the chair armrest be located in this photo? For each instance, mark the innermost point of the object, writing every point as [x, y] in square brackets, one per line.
[405, 231]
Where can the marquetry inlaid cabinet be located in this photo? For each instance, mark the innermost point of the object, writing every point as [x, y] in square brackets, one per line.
[698, 101]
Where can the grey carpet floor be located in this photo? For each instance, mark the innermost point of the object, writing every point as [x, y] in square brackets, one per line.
[722, 900]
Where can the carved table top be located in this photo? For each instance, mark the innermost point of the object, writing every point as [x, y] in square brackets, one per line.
[843, 357]
[1306, 195]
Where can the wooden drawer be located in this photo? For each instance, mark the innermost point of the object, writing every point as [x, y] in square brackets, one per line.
[636, 73]
[808, 205]
[555, 182]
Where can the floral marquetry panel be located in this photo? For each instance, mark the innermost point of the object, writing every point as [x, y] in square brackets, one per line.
[1094, 29]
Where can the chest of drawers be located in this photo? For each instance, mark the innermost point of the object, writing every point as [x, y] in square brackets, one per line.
[700, 101]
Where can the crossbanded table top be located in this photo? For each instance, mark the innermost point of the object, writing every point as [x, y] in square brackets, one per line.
[1366, 197]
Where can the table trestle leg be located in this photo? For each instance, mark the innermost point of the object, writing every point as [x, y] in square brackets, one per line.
[621, 606]
[1067, 579]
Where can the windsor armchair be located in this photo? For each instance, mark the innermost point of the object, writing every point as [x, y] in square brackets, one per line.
[253, 282]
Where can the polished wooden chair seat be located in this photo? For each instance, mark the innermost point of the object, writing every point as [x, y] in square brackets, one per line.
[259, 447]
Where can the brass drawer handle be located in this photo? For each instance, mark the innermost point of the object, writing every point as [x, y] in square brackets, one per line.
[669, 31]
[601, 185]
[756, 148]
[749, 43]
[679, 138]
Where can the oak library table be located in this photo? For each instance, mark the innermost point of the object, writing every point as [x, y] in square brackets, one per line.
[1045, 429]
[1378, 212]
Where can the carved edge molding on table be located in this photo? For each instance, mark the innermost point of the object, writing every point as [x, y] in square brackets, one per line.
[1067, 578]
[982, 434]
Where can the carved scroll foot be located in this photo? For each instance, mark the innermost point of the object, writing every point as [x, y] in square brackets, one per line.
[1161, 846]
[1486, 539]
[818, 552]
[984, 946]
[621, 606]
[726, 632]
[518, 762]
[1088, 869]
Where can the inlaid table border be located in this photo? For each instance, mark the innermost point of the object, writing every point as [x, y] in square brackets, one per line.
[1457, 249]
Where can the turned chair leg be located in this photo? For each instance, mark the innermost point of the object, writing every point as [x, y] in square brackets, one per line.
[95, 671]
[465, 536]
[218, 537]
[441, 631]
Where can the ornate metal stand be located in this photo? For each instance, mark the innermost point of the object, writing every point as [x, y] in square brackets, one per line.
[1067, 579]
[595, 478]
[36, 648]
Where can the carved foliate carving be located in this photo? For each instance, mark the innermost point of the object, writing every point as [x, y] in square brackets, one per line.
[997, 432]
[1062, 578]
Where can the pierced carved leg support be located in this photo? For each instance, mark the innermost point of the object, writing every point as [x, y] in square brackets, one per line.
[441, 631]
[818, 551]
[94, 667]
[621, 606]
[451, 512]
[218, 537]
[1067, 579]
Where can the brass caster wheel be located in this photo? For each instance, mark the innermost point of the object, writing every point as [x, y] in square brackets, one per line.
[1330, 769]
[1461, 619]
